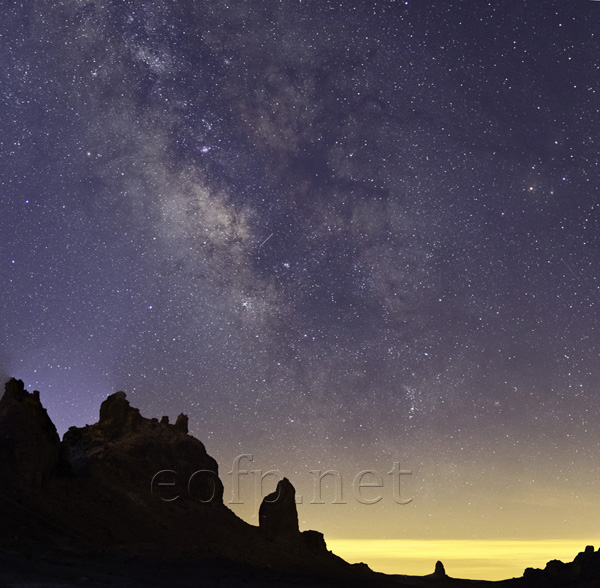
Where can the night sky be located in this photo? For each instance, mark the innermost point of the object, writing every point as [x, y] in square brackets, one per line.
[337, 235]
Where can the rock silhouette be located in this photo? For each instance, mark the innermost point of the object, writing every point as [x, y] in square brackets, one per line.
[125, 445]
[583, 571]
[128, 485]
[29, 443]
[278, 516]
[131, 489]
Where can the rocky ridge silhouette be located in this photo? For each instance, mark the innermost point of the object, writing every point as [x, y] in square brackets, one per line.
[129, 485]
[96, 494]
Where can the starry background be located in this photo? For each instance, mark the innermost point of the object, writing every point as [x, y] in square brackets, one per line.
[337, 235]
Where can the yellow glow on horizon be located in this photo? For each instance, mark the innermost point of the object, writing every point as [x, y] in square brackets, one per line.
[473, 559]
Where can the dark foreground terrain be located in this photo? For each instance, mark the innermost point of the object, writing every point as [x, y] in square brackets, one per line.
[90, 511]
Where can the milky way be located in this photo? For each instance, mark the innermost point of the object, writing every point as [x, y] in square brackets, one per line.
[335, 234]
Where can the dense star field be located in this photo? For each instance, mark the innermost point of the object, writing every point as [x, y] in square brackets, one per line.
[338, 235]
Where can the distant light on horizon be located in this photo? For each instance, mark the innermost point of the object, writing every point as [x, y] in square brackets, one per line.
[485, 559]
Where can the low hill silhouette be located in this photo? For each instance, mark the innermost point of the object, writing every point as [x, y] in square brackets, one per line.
[131, 501]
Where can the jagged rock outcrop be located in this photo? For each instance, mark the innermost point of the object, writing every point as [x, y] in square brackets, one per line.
[132, 486]
[29, 443]
[181, 424]
[278, 520]
[117, 417]
[584, 570]
[126, 445]
[278, 516]
[587, 563]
